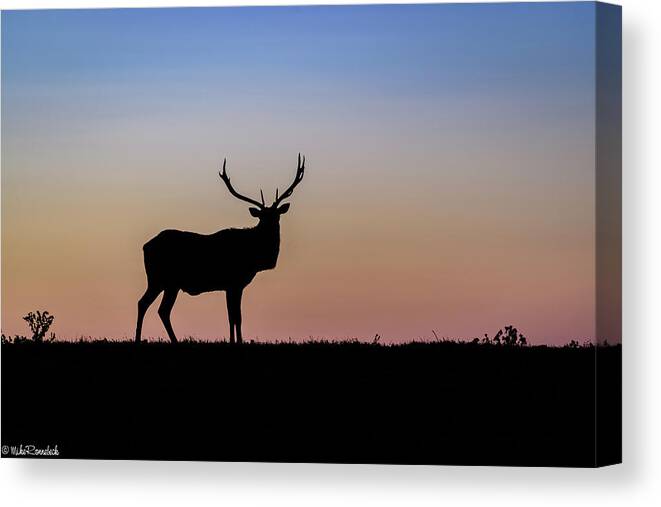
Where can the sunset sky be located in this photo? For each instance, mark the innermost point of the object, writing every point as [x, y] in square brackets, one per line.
[449, 186]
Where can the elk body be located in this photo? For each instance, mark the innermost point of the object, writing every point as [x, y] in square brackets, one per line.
[226, 260]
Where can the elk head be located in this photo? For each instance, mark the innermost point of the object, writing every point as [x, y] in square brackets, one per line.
[267, 214]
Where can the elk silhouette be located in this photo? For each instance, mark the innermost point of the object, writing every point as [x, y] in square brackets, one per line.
[225, 260]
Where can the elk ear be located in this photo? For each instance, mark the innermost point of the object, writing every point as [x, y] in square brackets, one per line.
[254, 212]
[283, 209]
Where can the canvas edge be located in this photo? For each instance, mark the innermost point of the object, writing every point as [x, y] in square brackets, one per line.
[608, 232]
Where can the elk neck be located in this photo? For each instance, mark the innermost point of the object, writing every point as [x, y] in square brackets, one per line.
[268, 244]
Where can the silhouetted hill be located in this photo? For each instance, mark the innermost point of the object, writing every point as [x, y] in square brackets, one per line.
[435, 403]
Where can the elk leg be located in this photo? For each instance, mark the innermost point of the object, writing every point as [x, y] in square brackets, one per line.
[234, 313]
[169, 297]
[237, 315]
[143, 305]
[229, 295]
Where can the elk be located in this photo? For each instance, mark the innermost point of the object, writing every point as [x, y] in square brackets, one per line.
[226, 260]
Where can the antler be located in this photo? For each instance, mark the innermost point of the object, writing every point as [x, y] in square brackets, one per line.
[300, 171]
[226, 179]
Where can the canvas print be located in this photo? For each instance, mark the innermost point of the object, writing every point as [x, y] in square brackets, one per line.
[352, 234]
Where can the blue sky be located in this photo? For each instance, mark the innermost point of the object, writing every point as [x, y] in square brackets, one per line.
[399, 49]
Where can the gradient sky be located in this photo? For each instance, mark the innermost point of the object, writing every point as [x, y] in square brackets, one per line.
[450, 181]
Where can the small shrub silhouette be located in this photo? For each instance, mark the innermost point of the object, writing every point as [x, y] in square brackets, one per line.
[39, 324]
[510, 336]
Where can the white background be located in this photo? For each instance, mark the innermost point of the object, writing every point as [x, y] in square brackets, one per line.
[636, 482]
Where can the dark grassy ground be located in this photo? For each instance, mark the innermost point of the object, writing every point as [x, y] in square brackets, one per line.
[437, 403]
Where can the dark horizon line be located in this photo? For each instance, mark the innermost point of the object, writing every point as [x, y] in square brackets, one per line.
[89, 340]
